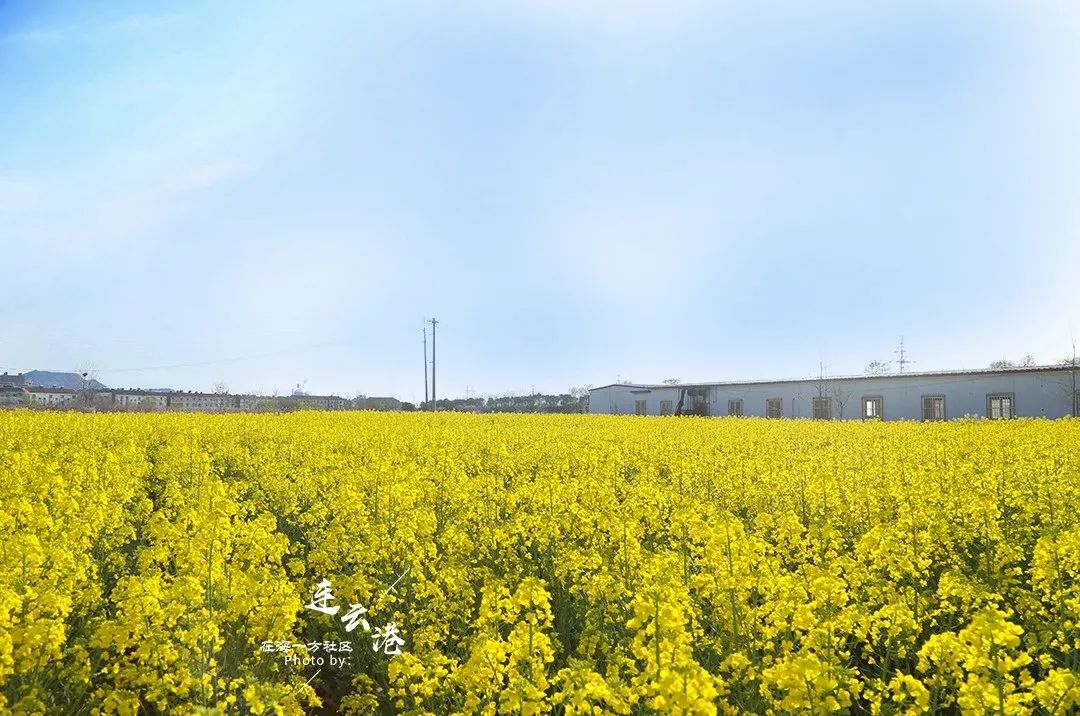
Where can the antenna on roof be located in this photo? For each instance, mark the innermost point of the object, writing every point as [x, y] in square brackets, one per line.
[901, 355]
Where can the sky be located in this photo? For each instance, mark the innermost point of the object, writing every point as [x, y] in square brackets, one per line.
[273, 194]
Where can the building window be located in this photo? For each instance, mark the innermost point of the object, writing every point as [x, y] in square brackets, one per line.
[774, 408]
[665, 407]
[639, 407]
[1000, 405]
[933, 407]
[822, 408]
[734, 407]
[871, 406]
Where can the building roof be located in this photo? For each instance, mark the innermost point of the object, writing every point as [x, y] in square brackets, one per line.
[885, 376]
[49, 389]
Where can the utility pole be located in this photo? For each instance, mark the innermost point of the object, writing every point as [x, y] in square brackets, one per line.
[434, 400]
[902, 355]
[425, 365]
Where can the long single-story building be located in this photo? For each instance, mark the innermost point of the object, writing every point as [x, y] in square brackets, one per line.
[1036, 391]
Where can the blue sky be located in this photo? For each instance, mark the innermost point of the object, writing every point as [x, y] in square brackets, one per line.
[264, 194]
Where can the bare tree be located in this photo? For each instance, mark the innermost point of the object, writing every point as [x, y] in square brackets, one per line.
[581, 397]
[671, 381]
[220, 388]
[1025, 362]
[841, 395]
[823, 386]
[832, 390]
[878, 367]
[84, 395]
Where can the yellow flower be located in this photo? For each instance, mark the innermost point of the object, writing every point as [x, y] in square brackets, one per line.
[593, 564]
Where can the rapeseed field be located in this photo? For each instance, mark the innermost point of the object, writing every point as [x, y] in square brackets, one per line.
[473, 564]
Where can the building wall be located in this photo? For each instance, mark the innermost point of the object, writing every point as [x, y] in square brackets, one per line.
[250, 402]
[378, 403]
[141, 401]
[620, 400]
[1036, 394]
[125, 399]
[49, 398]
[13, 396]
[200, 401]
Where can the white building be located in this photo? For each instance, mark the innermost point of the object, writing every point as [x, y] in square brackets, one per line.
[50, 397]
[1039, 391]
[140, 400]
[14, 393]
[13, 396]
[377, 403]
[250, 402]
[321, 402]
[201, 401]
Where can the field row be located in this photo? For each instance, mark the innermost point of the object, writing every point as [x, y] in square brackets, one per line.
[419, 563]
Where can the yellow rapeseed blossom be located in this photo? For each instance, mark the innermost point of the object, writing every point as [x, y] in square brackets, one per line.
[165, 563]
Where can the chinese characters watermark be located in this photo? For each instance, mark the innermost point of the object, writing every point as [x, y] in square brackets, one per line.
[387, 638]
[334, 652]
